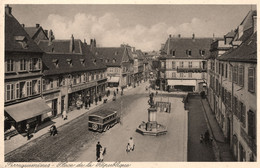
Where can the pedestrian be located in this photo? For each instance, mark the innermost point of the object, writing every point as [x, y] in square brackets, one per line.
[64, 115]
[27, 130]
[98, 146]
[86, 103]
[100, 97]
[53, 130]
[128, 148]
[102, 152]
[206, 136]
[201, 138]
[131, 143]
[96, 99]
[116, 90]
[122, 93]
[114, 93]
[36, 128]
[89, 103]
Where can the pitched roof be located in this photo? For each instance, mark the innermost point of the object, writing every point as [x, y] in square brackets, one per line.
[112, 56]
[246, 52]
[231, 34]
[248, 20]
[14, 32]
[83, 61]
[60, 46]
[140, 54]
[181, 45]
[32, 31]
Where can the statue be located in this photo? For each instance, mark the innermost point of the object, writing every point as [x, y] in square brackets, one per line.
[151, 101]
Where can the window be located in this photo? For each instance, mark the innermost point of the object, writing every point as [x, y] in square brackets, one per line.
[251, 79]
[173, 52]
[43, 84]
[10, 65]
[188, 52]
[234, 106]
[235, 74]
[17, 92]
[92, 76]
[39, 86]
[173, 64]
[35, 64]
[243, 114]
[203, 75]
[9, 92]
[241, 76]
[29, 88]
[190, 64]
[181, 64]
[35, 87]
[230, 73]
[222, 70]
[22, 64]
[51, 83]
[174, 74]
[202, 52]
[226, 71]
[190, 75]
[181, 74]
[251, 124]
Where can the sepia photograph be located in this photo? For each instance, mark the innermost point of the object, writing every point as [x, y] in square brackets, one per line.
[111, 85]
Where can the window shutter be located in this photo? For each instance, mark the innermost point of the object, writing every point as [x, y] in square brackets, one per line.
[251, 79]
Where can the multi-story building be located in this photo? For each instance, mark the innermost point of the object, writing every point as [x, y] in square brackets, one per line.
[183, 64]
[23, 77]
[232, 87]
[138, 65]
[71, 74]
[119, 65]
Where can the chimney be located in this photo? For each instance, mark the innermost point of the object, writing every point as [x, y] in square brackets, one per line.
[22, 25]
[94, 41]
[193, 36]
[8, 10]
[85, 41]
[213, 39]
[168, 46]
[72, 46]
[133, 49]
[254, 23]
[50, 36]
[37, 25]
[179, 35]
[170, 36]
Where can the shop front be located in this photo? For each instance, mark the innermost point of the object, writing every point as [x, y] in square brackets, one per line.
[101, 87]
[77, 94]
[28, 112]
[114, 81]
[52, 100]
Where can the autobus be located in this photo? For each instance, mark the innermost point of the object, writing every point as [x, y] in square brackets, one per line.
[103, 120]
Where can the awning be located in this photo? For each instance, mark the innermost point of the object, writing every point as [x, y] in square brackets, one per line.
[27, 109]
[182, 82]
[113, 79]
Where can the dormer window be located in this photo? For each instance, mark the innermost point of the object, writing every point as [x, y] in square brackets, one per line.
[188, 52]
[173, 52]
[116, 52]
[55, 62]
[69, 61]
[82, 61]
[107, 60]
[114, 60]
[94, 61]
[202, 52]
[22, 41]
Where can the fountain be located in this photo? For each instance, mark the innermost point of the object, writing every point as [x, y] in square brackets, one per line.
[151, 127]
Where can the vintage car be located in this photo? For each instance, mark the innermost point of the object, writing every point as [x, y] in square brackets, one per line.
[103, 120]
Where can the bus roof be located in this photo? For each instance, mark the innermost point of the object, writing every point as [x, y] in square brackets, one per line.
[103, 113]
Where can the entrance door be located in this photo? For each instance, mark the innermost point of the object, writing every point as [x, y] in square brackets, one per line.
[54, 107]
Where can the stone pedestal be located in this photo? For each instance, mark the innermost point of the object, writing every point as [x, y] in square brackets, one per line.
[152, 114]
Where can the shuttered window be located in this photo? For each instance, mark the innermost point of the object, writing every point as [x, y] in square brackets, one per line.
[251, 79]
[241, 76]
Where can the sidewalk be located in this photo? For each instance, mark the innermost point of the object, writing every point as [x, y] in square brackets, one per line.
[19, 140]
[222, 149]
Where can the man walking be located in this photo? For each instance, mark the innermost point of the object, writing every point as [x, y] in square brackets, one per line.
[98, 147]
[27, 130]
[131, 143]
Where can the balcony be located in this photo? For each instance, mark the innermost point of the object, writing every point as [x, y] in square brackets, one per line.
[191, 69]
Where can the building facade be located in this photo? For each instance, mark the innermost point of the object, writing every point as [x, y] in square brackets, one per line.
[183, 64]
[232, 87]
[23, 77]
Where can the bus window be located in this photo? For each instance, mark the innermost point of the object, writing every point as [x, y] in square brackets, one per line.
[93, 118]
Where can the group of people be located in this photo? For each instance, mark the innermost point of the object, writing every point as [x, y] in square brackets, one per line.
[205, 138]
[100, 151]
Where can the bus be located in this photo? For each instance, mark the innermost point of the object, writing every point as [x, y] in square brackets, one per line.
[103, 120]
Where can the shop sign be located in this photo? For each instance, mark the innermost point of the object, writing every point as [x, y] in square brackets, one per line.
[51, 96]
[102, 81]
[82, 87]
[248, 140]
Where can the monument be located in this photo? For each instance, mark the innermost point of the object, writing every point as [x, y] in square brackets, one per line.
[151, 127]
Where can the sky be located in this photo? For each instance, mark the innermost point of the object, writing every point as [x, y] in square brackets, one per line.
[144, 27]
